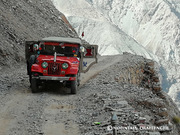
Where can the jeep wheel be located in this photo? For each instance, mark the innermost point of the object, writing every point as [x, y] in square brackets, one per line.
[78, 78]
[34, 85]
[31, 62]
[74, 85]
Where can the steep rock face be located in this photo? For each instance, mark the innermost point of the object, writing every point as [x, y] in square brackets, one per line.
[120, 89]
[28, 20]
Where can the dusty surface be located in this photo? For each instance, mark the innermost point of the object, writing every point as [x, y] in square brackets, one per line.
[49, 112]
[54, 111]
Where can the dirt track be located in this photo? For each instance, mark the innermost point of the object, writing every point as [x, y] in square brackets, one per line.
[53, 111]
[50, 112]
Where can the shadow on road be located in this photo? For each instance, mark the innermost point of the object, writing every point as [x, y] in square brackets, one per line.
[54, 88]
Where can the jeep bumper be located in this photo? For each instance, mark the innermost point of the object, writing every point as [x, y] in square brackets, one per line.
[55, 78]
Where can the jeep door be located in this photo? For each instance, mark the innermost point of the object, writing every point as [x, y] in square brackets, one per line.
[88, 57]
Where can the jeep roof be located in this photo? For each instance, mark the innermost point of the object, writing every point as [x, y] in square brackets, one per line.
[62, 39]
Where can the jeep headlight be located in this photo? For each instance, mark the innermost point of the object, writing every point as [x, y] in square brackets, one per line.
[65, 66]
[44, 65]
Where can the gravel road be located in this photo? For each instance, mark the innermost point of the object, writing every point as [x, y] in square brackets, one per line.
[49, 112]
[54, 111]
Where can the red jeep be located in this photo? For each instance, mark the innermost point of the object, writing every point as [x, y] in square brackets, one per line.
[58, 59]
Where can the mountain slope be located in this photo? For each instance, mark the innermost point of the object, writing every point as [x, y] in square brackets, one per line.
[111, 39]
[154, 24]
[99, 30]
[27, 20]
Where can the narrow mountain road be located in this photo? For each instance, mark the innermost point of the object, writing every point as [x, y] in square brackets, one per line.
[103, 63]
[54, 111]
[49, 112]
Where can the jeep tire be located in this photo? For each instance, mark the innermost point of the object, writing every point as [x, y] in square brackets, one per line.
[74, 85]
[78, 78]
[34, 85]
[31, 62]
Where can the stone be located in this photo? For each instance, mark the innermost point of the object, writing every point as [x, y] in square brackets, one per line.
[108, 108]
[140, 120]
[9, 86]
[122, 104]
[163, 114]
[162, 122]
[170, 125]
[164, 109]
[153, 133]
[150, 63]
[156, 88]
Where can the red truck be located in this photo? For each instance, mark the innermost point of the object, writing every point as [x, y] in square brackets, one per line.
[58, 59]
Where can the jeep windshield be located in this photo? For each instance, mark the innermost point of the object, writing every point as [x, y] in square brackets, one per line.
[62, 49]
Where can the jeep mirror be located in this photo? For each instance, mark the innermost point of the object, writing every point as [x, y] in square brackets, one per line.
[35, 47]
[88, 57]
[82, 49]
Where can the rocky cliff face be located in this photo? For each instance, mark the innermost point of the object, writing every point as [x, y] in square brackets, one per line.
[28, 20]
[130, 89]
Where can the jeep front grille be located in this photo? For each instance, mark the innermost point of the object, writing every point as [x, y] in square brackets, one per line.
[54, 68]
